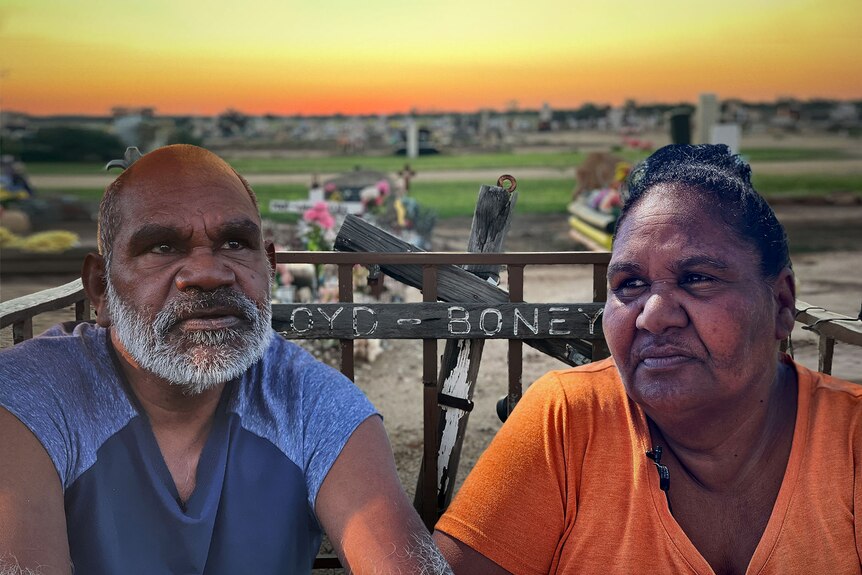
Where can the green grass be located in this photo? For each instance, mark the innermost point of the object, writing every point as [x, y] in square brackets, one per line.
[91, 195]
[267, 192]
[535, 196]
[450, 199]
[807, 184]
[335, 164]
[503, 161]
[792, 154]
[539, 196]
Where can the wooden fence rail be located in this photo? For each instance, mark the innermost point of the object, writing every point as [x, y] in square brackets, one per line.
[829, 327]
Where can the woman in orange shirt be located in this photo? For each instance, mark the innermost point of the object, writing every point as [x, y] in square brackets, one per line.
[697, 447]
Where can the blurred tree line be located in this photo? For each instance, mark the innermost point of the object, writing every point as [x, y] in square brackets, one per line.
[79, 144]
[64, 144]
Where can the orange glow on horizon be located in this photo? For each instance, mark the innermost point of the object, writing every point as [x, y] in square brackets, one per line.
[338, 57]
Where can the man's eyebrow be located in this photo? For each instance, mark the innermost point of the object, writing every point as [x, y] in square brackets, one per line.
[151, 233]
[239, 226]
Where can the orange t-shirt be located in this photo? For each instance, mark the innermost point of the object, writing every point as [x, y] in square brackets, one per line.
[565, 487]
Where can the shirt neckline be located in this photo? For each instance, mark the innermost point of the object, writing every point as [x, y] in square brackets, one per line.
[774, 525]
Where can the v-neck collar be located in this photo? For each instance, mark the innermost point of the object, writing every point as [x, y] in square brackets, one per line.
[769, 538]
[210, 462]
[213, 455]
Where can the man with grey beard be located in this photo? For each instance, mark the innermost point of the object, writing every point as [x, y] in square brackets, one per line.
[180, 434]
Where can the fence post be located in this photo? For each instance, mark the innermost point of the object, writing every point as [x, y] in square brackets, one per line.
[459, 366]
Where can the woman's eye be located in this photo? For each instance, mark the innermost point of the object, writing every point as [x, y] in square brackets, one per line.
[630, 288]
[696, 279]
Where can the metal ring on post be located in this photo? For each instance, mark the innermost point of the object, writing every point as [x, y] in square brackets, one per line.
[511, 180]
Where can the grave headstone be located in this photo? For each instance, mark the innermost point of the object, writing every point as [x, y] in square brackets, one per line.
[707, 117]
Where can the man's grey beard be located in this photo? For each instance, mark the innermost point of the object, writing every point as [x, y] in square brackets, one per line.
[195, 360]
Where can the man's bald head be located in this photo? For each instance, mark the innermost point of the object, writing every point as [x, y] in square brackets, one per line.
[179, 158]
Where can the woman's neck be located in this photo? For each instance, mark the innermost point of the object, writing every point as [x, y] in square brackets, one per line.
[730, 447]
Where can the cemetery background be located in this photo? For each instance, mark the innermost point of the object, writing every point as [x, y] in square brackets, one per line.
[812, 179]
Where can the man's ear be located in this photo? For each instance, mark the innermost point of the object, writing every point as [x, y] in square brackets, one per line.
[95, 286]
[784, 290]
[270, 256]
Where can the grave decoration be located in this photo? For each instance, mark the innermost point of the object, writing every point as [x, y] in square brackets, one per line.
[597, 199]
[22, 212]
[369, 194]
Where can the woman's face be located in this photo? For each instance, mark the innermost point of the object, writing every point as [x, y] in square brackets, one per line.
[689, 319]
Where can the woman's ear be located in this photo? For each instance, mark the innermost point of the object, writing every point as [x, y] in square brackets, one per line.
[784, 289]
[95, 286]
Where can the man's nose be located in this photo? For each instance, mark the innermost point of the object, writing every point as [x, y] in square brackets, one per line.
[202, 269]
[661, 311]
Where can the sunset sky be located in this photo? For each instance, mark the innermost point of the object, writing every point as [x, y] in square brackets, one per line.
[389, 56]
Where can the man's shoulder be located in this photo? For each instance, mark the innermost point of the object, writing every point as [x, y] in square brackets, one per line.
[61, 351]
[290, 369]
[63, 386]
[289, 380]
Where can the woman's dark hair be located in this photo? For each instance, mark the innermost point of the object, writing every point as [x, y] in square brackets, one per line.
[724, 181]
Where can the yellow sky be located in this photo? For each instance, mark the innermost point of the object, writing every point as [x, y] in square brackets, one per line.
[352, 56]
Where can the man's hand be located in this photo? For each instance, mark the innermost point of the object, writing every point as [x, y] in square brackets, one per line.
[32, 517]
[364, 510]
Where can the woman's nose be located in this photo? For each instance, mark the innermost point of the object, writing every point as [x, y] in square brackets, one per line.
[661, 311]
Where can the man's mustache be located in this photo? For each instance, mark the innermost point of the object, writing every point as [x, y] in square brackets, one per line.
[192, 302]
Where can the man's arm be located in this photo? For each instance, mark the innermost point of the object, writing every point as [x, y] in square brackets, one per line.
[364, 510]
[464, 559]
[32, 517]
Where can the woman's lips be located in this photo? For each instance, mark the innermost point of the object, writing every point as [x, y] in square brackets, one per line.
[663, 356]
[664, 361]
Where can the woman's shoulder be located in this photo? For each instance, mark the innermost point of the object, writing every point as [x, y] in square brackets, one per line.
[825, 388]
[594, 391]
[599, 380]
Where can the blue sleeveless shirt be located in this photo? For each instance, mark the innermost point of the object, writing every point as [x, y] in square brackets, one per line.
[277, 431]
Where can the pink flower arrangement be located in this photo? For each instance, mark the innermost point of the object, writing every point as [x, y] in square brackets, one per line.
[383, 186]
[319, 214]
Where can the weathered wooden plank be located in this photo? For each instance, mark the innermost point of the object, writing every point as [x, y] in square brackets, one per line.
[491, 222]
[438, 320]
[454, 284]
[417, 257]
[459, 366]
[51, 299]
